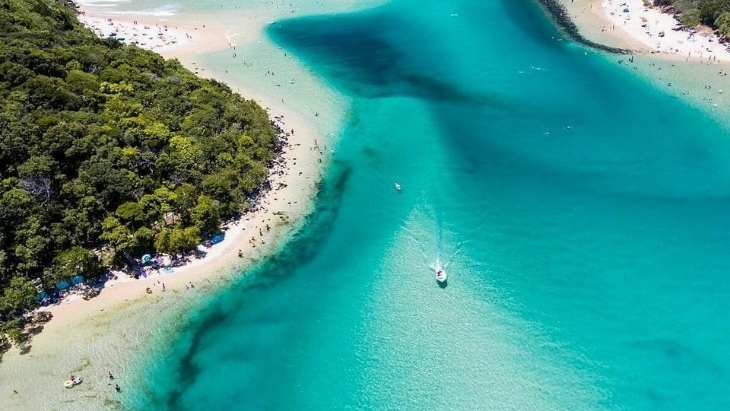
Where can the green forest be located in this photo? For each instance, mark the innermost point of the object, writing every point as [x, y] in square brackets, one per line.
[107, 151]
[713, 13]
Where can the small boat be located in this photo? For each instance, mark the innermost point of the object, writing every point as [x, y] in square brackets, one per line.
[397, 186]
[72, 382]
[441, 275]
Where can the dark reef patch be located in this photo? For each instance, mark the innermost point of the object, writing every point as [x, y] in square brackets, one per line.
[368, 62]
[302, 248]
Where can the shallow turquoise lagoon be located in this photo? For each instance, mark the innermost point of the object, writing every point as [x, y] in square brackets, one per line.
[582, 216]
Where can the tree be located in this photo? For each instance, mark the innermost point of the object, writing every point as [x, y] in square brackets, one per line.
[710, 10]
[76, 261]
[15, 205]
[176, 240]
[690, 18]
[144, 238]
[185, 199]
[151, 208]
[116, 235]
[206, 216]
[723, 23]
[130, 214]
[184, 239]
[102, 143]
[162, 242]
[18, 297]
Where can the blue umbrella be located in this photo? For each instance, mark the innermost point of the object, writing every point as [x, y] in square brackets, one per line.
[63, 285]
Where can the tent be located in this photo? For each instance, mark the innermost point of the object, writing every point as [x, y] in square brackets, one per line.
[77, 280]
[62, 285]
[216, 239]
[41, 296]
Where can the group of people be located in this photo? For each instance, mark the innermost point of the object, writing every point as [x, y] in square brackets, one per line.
[148, 290]
[116, 386]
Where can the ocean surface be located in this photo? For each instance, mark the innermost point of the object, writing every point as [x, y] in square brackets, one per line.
[583, 218]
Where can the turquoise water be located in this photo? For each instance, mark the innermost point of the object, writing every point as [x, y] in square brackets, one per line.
[582, 217]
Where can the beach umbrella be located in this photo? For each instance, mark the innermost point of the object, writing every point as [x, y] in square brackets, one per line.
[62, 285]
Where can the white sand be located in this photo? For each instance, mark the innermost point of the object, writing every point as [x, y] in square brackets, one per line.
[169, 39]
[682, 67]
[89, 338]
[655, 30]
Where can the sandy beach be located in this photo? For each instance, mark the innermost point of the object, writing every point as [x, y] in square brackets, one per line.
[91, 337]
[689, 66]
[630, 24]
[172, 40]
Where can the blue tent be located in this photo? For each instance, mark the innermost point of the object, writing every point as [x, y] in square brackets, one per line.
[216, 239]
[62, 285]
[77, 280]
[41, 296]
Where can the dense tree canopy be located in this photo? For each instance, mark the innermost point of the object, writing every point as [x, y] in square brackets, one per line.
[104, 145]
[714, 13]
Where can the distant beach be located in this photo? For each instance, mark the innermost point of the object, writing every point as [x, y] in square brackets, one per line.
[689, 64]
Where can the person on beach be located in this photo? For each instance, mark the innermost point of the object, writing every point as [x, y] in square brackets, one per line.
[116, 387]
[111, 376]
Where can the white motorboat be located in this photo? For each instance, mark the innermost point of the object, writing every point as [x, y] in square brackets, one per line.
[397, 186]
[441, 275]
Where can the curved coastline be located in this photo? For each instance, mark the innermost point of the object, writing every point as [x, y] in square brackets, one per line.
[696, 79]
[90, 338]
[559, 14]
[136, 312]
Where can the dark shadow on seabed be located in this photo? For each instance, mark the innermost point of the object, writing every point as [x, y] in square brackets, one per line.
[368, 63]
[301, 249]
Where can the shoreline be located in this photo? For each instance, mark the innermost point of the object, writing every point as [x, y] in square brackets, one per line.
[637, 29]
[293, 181]
[561, 16]
[278, 207]
[695, 78]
